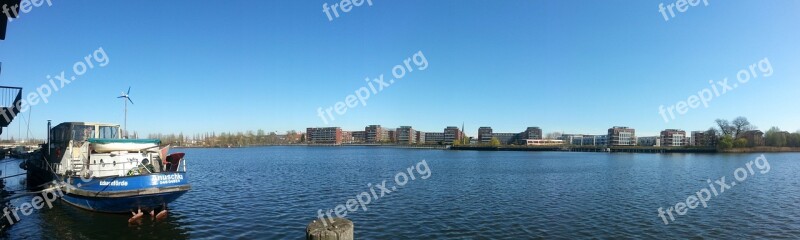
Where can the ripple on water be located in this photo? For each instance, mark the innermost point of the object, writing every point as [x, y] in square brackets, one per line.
[273, 192]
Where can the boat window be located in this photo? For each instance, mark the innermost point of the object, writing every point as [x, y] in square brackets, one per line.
[82, 133]
[108, 132]
[60, 134]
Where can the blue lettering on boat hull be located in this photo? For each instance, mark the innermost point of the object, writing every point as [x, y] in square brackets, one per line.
[126, 193]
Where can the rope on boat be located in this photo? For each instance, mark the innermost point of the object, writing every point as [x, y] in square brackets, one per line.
[13, 176]
[31, 193]
[10, 160]
[58, 185]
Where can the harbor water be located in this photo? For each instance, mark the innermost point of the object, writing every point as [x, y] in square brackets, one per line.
[274, 192]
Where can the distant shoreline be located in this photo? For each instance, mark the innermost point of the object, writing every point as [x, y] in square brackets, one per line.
[631, 149]
[327, 145]
[760, 149]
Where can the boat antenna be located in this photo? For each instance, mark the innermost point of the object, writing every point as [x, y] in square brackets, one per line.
[127, 98]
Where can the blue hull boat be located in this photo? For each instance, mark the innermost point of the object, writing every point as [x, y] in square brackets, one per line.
[97, 170]
[125, 194]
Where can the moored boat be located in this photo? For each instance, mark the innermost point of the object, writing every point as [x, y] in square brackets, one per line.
[99, 171]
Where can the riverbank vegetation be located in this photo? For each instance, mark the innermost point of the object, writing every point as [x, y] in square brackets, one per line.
[739, 133]
[238, 139]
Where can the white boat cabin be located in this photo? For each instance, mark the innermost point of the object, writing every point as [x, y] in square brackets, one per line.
[98, 150]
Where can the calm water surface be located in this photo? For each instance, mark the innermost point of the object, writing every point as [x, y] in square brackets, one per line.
[274, 192]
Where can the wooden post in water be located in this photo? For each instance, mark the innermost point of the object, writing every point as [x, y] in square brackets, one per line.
[338, 229]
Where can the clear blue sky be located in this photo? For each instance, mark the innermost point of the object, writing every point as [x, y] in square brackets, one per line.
[573, 66]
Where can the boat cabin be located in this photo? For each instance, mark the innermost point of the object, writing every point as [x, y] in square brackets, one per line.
[99, 150]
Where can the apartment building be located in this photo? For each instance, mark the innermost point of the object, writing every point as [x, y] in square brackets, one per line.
[621, 136]
[325, 135]
[451, 134]
[673, 138]
[406, 135]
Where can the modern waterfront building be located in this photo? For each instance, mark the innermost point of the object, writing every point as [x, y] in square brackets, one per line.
[484, 134]
[406, 135]
[585, 140]
[506, 138]
[347, 137]
[434, 137]
[703, 139]
[697, 138]
[392, 133]
[374, 134]
[419, 137]
[595, 140]
[673, 138]
[325, 135]
[531, 133]
[621, 136]
[572, 139]
[451, 134]
[654, 141]
[359, 136]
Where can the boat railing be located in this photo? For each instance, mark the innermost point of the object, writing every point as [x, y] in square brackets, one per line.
[126, 167]
[102, 170]
[99, 169]
[10, 98]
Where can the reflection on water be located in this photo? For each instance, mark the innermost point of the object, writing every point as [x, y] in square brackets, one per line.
[273, 192]
[64, 221]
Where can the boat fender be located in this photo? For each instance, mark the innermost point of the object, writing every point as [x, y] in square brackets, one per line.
[136, 216]
[161, 215]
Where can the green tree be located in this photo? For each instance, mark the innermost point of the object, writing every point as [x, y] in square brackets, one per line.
[461, 141]
[725, 142]
[775, 137]
[740, 143]
[494, 142]
[794, 140]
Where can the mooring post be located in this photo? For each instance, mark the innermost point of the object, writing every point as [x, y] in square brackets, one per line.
[336, 229]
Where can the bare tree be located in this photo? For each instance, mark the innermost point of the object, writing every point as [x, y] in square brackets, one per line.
[553, 135]
[712, 132]
[724, 126]
[741, 125]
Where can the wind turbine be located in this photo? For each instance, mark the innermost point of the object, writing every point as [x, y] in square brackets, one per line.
[127, 98]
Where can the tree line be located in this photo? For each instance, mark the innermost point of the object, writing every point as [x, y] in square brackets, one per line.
[228, 139]
[732, 134]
